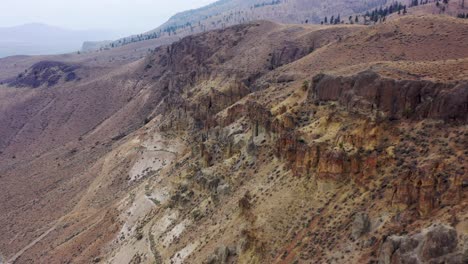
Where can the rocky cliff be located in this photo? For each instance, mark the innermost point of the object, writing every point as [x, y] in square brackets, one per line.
[397, 99]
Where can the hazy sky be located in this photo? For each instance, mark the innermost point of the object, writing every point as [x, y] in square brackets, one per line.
[122, 16]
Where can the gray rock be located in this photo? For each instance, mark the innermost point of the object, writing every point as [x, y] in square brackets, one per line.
[243, 245]
[224, 189]
[438, 242]
[285, 78]
[465, 253]
[220, 256]
[388, 248]
[408, 245]
[213, 184]
[223, 253]
[370, 242]
[361, 225]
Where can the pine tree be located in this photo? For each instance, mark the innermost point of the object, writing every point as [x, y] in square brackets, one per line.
[338, 20]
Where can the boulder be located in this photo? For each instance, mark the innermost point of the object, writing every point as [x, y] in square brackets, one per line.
[224, 189]
[221, 255]
[437, 244]
[361, 225]
[388, 249]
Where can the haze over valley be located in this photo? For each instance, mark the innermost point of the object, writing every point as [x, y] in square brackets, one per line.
[40, 39]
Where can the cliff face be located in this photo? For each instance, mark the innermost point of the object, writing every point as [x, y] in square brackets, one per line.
[218, 151]
[398, 99]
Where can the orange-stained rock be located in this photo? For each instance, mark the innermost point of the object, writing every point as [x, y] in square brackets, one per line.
[403, 190]
[454, 193]
[424, 188]
[332, 164]
[426, 195]
[369, 166]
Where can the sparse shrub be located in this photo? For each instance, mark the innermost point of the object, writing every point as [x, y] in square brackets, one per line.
[407, 112]
[245, 203]
[139, 236]
[196, 214]
[305, 85]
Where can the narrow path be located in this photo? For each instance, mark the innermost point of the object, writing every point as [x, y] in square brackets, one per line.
[163, 150]
[30, 245]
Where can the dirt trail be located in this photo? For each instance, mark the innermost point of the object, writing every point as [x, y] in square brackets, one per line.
[34, 242]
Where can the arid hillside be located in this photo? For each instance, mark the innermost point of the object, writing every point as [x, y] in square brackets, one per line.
[225, 13]
[255, 143]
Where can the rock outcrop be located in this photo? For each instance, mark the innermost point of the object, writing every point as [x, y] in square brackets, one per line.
[427, 189]
[436, 244]
[361, 225]
[398, 99]
[48, 73]
[221, 255]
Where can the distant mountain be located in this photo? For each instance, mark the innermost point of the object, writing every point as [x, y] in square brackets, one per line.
[34, 39]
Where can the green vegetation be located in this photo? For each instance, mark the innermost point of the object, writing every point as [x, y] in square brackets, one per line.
[305, 85]
[380, 14]
[274, 2]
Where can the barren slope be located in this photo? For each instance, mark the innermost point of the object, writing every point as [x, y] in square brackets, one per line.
[225, 13]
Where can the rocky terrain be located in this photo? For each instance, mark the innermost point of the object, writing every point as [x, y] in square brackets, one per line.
[256, 143]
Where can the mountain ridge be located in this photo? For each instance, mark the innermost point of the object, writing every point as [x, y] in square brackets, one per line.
[231, 12]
